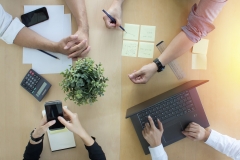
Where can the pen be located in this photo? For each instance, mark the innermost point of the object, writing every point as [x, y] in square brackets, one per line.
[48, 53]
[113, 20]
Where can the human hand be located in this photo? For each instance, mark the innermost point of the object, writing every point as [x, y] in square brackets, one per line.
[143, 75]
[116, 12]
[79, 48]
[196, 132]
[42, 128]
[74, 125]
[152, 134]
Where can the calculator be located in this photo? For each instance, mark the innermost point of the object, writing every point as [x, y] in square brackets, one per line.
[35, 84]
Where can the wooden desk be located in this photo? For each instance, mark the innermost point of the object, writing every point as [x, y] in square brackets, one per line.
[21, 113]
[220, 96]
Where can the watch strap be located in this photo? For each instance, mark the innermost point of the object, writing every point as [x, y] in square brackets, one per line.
[36, 139]
[159, 65]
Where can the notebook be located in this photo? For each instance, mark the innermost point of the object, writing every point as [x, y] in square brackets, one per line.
[60, 139]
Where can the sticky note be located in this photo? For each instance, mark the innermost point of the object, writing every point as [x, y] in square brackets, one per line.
[58, 131]
[132, 31]
[199, 61]
[129, 48]
[147, 33]
[145, 50]
[201, 47]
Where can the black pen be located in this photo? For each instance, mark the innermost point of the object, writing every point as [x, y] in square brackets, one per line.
[113, 20]
[48, 54]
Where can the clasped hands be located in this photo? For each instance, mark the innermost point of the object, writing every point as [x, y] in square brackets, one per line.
[75, 46]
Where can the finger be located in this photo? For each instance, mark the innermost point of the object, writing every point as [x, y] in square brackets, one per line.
[83, 54]
[78, 49]
[68, 112]
[151, 122]
[160, 125]
[118, 23]
[49, 124]
[191, 129]
[143, 133]
[63, 121]
[108, 23]
[70, 41]
[136, 74]
[194, 135]
[147, 127]
[195, 124]
[43, 121]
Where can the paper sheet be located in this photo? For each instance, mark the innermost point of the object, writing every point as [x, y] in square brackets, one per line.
[132, 31]
[147, 33]
[145, 50]
[201, 47]
[199, 61]
[129, 48]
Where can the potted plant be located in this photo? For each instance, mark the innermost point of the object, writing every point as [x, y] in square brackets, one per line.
[84, 82]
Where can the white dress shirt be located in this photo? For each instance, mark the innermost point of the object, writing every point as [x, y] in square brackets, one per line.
[222, 143]
[9, 28]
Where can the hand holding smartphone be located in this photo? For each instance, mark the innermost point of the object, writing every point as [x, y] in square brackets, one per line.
[35, 17]
[53, 110]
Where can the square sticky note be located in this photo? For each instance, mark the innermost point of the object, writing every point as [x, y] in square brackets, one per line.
[201, 47]
[145, 50]
[199, 61]
[147, 33]
[132, 31]
[129, 48]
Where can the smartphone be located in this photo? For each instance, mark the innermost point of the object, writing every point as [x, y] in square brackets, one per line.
[35, 17]
[53, 110]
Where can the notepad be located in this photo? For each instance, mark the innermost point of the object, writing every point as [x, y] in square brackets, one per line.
[132, 31]
[145, 50]
[201, 47]
[199, 61]
[129, 48]
[147, 33]
[60, 139]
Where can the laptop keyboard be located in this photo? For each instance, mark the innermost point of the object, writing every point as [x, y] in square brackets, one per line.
[172, 107]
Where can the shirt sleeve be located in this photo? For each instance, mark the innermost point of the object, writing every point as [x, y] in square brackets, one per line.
[9, 28]
[95, 152]
[201, 17]
[33, 151]
[225, 144]
[158, 153]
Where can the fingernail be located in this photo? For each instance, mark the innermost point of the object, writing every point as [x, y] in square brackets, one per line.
[66, 47]
[149, 116]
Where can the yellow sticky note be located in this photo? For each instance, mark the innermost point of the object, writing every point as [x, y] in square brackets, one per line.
[201, 47]
[147, 33]
[132, 31]
[58, 131]
[129, 48]
[145, 50]
[199, 61]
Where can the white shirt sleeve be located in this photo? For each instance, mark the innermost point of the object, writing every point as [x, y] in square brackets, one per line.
[225, 144]
[158, 153]
[9, 28]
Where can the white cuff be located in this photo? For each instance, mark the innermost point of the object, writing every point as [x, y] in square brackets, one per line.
[213, 138]
[158, 152]
[10, 34]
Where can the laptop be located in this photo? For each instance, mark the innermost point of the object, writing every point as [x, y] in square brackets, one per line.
[175, 108]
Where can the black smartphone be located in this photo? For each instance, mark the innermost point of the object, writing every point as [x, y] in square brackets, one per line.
[35, 17]
[53, 110]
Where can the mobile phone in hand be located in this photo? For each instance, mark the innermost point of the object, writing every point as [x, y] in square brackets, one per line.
[35, 17]
[53, 110]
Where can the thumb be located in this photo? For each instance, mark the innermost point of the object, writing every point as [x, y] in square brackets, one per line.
[135, 74]
[63, 121]
[71, 40]
[49, 124]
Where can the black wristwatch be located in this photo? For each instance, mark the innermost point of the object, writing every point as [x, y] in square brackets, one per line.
[159, 65]
[36, 139]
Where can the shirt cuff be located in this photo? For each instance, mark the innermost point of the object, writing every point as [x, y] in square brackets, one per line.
[12, 31]
[213, 138]
[157, 152]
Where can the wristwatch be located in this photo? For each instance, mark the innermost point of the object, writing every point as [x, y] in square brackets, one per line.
[159, 65]
[36, 139]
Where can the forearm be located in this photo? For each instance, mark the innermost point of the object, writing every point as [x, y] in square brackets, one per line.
[86, 138]
[32, 151]
[178, 46]
[30, 39]
[158, 153]
[118, 1]
[79, 11]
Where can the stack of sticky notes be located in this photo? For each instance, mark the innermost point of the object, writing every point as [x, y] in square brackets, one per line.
[131, 47]
[199, 54]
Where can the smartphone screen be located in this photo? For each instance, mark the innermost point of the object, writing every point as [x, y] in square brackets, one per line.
[53, 110]
[35, 17]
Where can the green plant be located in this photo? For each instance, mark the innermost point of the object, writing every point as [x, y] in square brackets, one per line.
[83, 82]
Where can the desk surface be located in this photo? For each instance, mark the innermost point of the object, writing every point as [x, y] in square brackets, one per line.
[20, 112]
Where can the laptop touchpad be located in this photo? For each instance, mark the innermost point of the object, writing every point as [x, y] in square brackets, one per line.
[173, 131]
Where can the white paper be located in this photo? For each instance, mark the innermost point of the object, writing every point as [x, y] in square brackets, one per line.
[61, 139]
